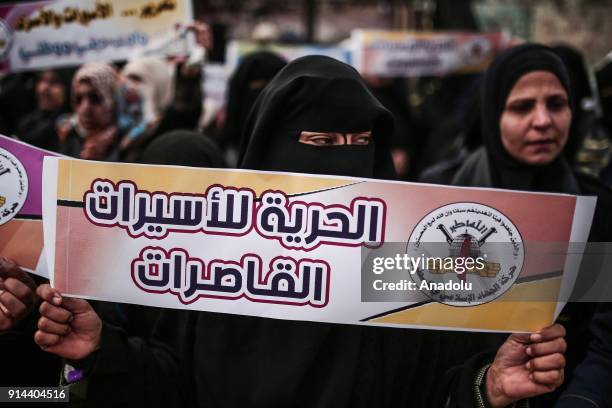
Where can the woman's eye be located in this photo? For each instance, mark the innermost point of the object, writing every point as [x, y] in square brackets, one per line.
[521, 107]
[362, 140]
[95, 99]
[321, 140]
[557, 104]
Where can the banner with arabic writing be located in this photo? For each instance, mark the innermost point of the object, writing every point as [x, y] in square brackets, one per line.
[21, 227]
[306, 247]
[406, 53]
[54, 33]
[236, 50]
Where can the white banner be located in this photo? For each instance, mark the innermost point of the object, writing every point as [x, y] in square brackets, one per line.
[302, 247]
[56, 33]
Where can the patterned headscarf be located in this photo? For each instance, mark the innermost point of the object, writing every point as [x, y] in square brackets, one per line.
[103, 78]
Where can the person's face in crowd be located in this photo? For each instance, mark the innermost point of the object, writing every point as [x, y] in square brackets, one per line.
[535, 122]
[50, 93]
[90, 108]
[135, 82]
[335, 139]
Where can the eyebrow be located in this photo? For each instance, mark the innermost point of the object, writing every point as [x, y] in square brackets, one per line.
[530, 98]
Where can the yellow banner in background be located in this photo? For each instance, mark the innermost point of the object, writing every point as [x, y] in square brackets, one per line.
[405, 53]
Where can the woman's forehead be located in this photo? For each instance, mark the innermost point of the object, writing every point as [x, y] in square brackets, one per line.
[311, 132]
[536, 83]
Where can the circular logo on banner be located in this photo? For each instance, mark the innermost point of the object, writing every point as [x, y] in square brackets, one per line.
[6, 40]
[13, 186]
[468, 254]
[475, 51]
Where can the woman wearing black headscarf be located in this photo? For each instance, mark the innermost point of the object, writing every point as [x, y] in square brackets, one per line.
[494, 165]
[53, 99]
[526, 113]
[527, 106]
[532, 161]
[246, 83]
[316, 116]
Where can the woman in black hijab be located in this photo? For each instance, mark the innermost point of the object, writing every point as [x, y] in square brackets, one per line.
[53, 96]
[527, 111]
[246, 83]
[493, 165]
[316, 116]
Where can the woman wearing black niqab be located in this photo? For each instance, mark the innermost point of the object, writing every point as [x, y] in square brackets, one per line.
[315, 364]
[251, 76]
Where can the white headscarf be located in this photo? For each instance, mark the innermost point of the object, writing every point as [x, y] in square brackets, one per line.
[156, 88]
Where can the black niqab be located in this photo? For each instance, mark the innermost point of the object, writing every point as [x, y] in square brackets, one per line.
[319, 94]
[246, 83]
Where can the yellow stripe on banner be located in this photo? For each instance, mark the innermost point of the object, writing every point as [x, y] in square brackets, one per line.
[63, 181]
[508, 313]
[184, 180]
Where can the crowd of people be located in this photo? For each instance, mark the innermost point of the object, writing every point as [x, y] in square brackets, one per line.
[528, 129]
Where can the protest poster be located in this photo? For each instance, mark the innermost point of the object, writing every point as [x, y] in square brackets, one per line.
[237, 49]
[21, 227]
[55, 33]
[304, 247]
[406, 53]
